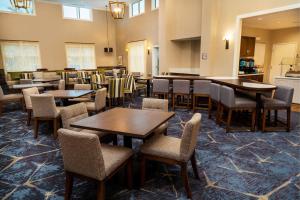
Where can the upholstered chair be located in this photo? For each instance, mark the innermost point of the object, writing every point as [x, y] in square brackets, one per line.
[116, 88]
[282, 100]
[84, 156]
[201, 89]
[84, 98]
[4, 99]
[181, 88]
[27, 93]
[62, 85]
[161, 87]
[96, 80]
[174, 151]
[130, 86]
[44, 109]
[99, 103]
[26, 81]
[157, 105]
[233, 103]
[214, 93]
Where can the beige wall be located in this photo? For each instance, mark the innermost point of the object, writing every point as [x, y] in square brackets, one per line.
[221, 61]
[52, 31]
[142, 27]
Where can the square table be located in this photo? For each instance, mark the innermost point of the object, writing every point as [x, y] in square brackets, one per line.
[64, 95]
[131, 123]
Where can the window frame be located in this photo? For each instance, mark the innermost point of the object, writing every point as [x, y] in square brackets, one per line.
[77, 14]
[153, 4]
[139, 7]
[18, 13]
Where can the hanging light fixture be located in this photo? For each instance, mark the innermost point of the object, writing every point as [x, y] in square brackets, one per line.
[25, 4]
[117, 9]
[107, 49]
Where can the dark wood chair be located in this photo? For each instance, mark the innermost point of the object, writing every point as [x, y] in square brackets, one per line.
[214, 94]
[181, 88]
[161, 87]
[84, 157]
[282, 100]
[174, 151]
[201, 89]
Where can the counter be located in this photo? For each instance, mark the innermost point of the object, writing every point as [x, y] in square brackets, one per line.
[290, 82]
[257, 77]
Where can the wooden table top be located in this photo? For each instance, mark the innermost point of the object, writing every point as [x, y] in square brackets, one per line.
[143, 78]
[245, 84]
[68, 94]
[124, 121]
[172, 77]
[24, 86]
[45, 80]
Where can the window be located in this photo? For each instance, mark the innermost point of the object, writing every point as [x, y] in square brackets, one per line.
[20, 56]
[71, 12]
[155, 4]
[137, 8]
[7, 6]
[137, 56]
[81, 56]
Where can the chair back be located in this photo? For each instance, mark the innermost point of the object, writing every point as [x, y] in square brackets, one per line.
[73, 113]
[130, 83]
[227, 96]
[214, 91]
[155, 104]
[116, 87]
[1, 93]
[43, 105]
[97, 79]
[189, 137]
[160, 86]
[181, 86]
[82, 153]
[201, 87]
[100, 99]
[83, 87]
[27, 93]
[26, 81]
[26, 75]
[284, 93]
[62, 85]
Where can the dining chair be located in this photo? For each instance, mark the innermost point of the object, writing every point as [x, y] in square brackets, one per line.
[214, 93]
[161, 87]
[201, 89]
[85, 157]
[116, 90]
[26, 81]
[62, 85]
[174, 151]
[96, 80]
[130, 86]
[181, 88]
[282, 100]
[157, 105]
[83, 98]
[82, 76]
[27, 93]
[231, 102]
[44, 109]
[6, 98]
[100, 101]
[26, 75]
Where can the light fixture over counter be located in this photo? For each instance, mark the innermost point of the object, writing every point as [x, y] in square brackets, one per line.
[117, 9]
[25, 4]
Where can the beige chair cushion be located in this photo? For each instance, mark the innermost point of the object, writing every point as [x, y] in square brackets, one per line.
[27, 92]
[80, 99]
[99, 133]
[12, 97]
[161, 129]
[43, 105]
[114, 156]
[91, 106]
[162, 146]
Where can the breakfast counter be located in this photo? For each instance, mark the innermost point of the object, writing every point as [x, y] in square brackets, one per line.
[293, 82]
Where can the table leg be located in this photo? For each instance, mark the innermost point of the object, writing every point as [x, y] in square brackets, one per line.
[128, 141]
[148, 88]
[258, 110]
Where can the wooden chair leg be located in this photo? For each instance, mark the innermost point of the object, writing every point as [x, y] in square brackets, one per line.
[253, 120]
[129, 174]
[288, 119]
[55, 127]
[194, 102]
[36, 127]
[143, 170]
[194, 165]
[68, 186]
[29, 112]
[173, 101]
[1, 107]
[101, 191]
[221, 113]
[264, 120]
[276, 116]
[209, 108]
[184, 176]
[228, 120]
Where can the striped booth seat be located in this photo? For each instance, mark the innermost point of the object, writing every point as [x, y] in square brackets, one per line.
[96, 80]
[130, 86]
[116, 90]
[26, 75]
[83, 76]
[69, 77]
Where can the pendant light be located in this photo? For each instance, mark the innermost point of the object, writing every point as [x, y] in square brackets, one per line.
[107, 49]
[117, 9]
[25, 4]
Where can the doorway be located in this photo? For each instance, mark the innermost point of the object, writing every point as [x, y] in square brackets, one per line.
[155, 61]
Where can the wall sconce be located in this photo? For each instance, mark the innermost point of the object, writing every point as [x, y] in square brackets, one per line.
[227, 38]
[126, 49]
[148, 50]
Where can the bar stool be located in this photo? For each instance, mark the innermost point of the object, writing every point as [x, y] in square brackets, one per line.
[181, 88]
[232, 103]
[201, 89]
[214, 94]
[161, 87]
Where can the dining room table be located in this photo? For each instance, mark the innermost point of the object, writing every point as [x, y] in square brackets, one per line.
[127, 122]
[45, 80]
[24, 86]
[65, 95]
[148, 82]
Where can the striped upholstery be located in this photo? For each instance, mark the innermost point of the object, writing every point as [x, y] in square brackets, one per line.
[27, 75]
[82, 75]
[116, 87]
[130, 86]
[97, 79]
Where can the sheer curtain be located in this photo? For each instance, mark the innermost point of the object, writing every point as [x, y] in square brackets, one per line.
[81, 56]
[137, 57]
[20, 56]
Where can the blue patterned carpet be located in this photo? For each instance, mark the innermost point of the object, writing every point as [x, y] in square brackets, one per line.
[238, 165]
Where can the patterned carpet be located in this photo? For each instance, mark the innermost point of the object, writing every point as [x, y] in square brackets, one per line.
[238, 165]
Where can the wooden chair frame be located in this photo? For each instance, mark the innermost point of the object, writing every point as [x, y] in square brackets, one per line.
[288, 118]
[183, 95]
[195, 101]
[56, 125]
[210, 106]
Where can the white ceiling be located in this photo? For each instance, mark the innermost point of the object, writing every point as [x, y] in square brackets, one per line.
[95, 4]
[279, 20]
